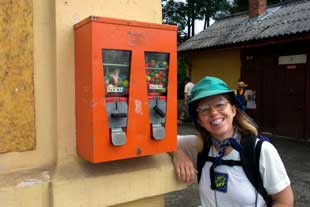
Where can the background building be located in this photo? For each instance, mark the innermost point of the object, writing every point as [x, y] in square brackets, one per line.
[268, 48]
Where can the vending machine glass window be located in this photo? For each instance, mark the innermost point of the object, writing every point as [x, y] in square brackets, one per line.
[156, 65]
[116, 64]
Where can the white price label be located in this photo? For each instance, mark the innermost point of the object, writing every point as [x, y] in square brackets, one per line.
[156, 87]
[115, 89]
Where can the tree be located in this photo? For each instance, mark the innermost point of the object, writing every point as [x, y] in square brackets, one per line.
[184, 14]
[213, 8]
[181, 77]
[175, 13]
[203, 10]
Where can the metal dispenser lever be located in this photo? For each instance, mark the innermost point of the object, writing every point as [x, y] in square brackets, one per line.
[118, 120]
[117, 114]
[159, 111]
[157, 118]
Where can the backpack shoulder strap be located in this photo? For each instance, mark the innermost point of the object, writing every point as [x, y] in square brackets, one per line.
[202, 157]
[240, 92]
[260, 187]
[250, 160]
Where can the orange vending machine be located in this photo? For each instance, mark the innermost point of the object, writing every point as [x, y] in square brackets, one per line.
[126, 88]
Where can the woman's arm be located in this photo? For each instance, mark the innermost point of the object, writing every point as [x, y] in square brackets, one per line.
[275, 178]
[184, 167]
[185, 156]
[285, 198]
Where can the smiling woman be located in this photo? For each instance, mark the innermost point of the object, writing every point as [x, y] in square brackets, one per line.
[223, 154]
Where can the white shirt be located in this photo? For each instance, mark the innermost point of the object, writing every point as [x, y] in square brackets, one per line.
[188, 88]
[240, 192]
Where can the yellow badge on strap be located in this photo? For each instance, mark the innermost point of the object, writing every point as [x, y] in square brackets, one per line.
[221, 181]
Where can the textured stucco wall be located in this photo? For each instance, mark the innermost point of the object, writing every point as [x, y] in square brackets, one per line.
[51, 175]
[52, 73]
[17, 108]
[224, 64]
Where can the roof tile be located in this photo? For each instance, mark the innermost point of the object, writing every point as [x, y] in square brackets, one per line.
[280, 20]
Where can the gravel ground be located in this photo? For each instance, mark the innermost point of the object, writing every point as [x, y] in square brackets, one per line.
[184, 198]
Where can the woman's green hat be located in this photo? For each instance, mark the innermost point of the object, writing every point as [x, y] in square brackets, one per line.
[208, 86]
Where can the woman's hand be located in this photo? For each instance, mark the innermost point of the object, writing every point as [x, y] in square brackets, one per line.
[184, 167]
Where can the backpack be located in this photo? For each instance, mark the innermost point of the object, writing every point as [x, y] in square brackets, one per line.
[240, 100]
[249, 161]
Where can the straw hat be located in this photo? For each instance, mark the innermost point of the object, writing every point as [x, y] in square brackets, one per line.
[242, 84]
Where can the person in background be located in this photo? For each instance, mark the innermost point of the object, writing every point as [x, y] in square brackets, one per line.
[241, 94]
[223, 128]
[188, 89]
[187, 92]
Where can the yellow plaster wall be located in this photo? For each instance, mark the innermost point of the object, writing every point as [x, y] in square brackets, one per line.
[44, 79]
[25, 189]
[157, 201]
[112, 183]
[17, 131]
[80, 184]
[52, 175]
[224, 64]
[53, 74]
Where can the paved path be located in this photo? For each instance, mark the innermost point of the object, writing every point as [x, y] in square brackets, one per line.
[295, 155]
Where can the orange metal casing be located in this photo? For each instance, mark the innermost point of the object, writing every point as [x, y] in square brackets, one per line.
[92, 131]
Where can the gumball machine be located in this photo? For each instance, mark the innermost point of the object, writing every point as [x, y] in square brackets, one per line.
[156, 75]
[126, 88]
[116, 64]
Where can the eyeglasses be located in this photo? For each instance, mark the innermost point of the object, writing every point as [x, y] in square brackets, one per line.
[204, 110]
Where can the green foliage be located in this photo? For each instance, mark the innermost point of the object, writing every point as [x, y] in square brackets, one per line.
[181, 77]
[175, 13]
[184, 14]
[211, 9]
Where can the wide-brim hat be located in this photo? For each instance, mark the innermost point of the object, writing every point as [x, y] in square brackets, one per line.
[208, 86]
[242, 84]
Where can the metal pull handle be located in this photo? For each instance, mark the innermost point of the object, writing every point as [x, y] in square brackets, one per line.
[159, 111]
[117, 115]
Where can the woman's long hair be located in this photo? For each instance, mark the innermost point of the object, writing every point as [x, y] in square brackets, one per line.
[245, 124]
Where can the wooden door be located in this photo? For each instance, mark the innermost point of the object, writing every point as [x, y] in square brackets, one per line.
[290, 101]
[259, 74]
